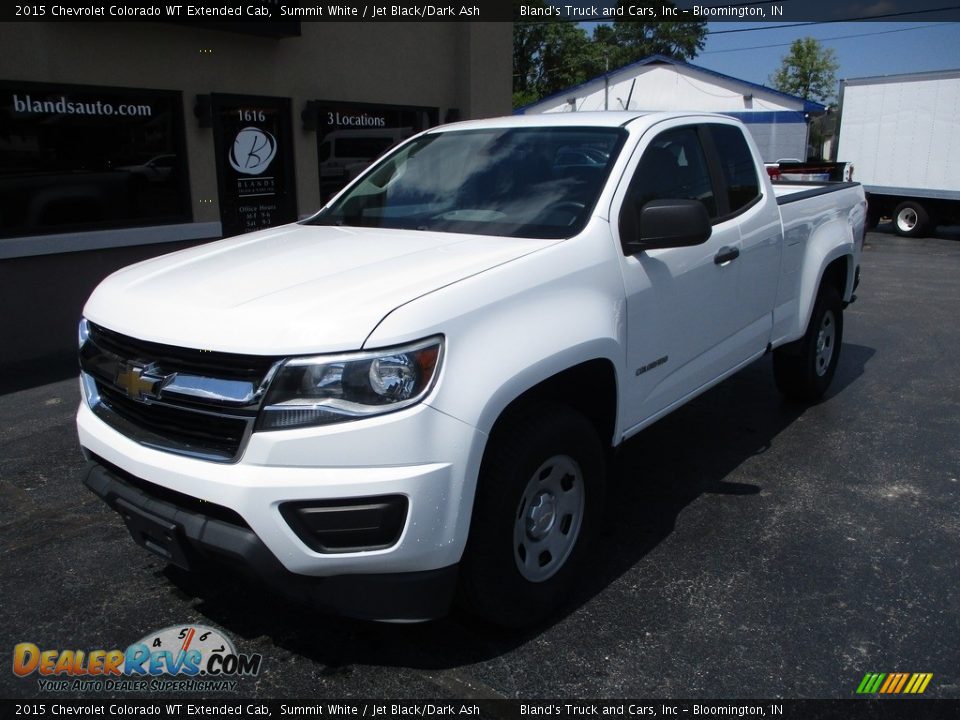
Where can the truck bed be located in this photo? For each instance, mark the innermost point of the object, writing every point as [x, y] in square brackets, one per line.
[788, 192]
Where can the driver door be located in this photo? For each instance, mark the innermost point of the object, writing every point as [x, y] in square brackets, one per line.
[681, 302]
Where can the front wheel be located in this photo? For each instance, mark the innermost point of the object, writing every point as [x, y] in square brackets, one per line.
[804, 369]
[539, 501]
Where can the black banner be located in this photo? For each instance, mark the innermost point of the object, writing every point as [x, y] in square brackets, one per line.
[499, 709]
[285, 15]
[254, 155]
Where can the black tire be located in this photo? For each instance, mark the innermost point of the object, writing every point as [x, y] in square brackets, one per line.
[804, 369]
[911, 219]
[528, 457]
[873, 217]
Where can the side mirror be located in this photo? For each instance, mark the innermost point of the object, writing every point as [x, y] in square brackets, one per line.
[671, 223]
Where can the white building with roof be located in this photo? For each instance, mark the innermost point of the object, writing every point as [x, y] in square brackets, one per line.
[778, 121]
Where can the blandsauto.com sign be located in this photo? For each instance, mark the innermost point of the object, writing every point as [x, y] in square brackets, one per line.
[64, 105]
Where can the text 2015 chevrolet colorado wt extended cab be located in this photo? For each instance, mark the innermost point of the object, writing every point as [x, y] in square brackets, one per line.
[411, 395]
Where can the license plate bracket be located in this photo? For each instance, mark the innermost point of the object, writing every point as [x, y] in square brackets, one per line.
[161, 537]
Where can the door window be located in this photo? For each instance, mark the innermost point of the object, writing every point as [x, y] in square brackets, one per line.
[673, 167]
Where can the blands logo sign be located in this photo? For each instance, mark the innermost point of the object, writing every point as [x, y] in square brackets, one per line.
[894, 683]
[253, 150]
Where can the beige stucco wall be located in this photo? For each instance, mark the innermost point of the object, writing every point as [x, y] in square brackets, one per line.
[444, 65]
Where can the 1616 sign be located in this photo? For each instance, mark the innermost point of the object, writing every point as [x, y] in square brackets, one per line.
[254, 148]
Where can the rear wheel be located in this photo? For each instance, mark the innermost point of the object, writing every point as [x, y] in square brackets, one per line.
[911, 219]
[804, 369]
[539, 501]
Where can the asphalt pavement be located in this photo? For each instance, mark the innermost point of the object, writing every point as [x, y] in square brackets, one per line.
[752, 548]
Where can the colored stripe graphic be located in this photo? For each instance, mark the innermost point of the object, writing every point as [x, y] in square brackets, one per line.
[918, 683]
[899, 686]
[870, 683]
[894, 683]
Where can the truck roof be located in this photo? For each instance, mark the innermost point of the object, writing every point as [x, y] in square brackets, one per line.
[603, 118]
[579, 119]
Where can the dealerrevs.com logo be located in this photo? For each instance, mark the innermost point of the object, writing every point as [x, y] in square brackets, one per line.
[181, 658]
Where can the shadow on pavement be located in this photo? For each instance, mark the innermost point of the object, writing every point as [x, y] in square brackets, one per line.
[655, 475]
[942, 232]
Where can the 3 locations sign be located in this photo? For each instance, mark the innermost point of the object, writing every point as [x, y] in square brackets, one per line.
[254, 155]
[350, 136]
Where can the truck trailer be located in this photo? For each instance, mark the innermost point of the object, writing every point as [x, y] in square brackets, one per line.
[902, 134]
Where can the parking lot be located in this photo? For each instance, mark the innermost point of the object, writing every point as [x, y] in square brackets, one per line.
[752, 548]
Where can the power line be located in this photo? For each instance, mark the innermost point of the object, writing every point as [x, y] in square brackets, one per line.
[837, 37]
[926, 26]
[826, 22]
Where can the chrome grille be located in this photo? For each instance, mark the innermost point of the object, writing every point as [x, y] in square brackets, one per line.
[182, 400]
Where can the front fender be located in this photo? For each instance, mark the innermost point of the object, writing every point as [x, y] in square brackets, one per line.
[513, 326]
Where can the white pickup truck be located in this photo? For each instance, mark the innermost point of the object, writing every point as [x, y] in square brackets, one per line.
[412, 395]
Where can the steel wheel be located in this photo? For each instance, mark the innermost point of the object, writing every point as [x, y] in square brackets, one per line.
[804, 369]
[825, 342]
[539, 502]
[907, 220]
[911, 219]
[548, 518]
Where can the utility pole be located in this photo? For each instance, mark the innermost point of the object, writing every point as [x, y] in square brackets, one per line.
[606, 79]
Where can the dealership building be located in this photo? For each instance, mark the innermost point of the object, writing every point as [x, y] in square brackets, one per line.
[120, 141]
[778, 122]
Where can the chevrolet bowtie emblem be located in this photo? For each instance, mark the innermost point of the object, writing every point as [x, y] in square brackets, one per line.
[138, 380]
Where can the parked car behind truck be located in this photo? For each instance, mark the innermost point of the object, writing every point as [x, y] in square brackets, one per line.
[413, 394]
[901, 133]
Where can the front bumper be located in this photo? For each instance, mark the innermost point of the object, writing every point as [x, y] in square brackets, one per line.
[419, 453]
[174, 528]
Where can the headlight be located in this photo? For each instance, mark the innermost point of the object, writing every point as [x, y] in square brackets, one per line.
[336, 388]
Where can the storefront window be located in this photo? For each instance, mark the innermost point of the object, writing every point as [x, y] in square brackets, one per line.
[76, 158]
[350, 136]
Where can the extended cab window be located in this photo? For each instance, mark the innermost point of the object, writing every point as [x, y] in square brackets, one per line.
[515, 182]
[736, 163]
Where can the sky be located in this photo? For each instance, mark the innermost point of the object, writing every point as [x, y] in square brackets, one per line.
[909, 36]
[878, 48]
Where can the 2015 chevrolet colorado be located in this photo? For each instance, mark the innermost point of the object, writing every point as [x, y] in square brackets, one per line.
[414, 392]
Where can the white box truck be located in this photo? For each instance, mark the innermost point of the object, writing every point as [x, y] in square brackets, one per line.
[902, 134]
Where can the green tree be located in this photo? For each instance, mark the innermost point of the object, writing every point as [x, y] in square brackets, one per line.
[550, 54]
[808, 70]
[629, 41]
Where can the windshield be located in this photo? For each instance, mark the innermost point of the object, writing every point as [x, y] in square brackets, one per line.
[513, 182]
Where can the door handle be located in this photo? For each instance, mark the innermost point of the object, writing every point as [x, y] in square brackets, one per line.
[726, 254]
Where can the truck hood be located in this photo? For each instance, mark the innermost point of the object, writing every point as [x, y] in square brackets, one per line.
[290, 290]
